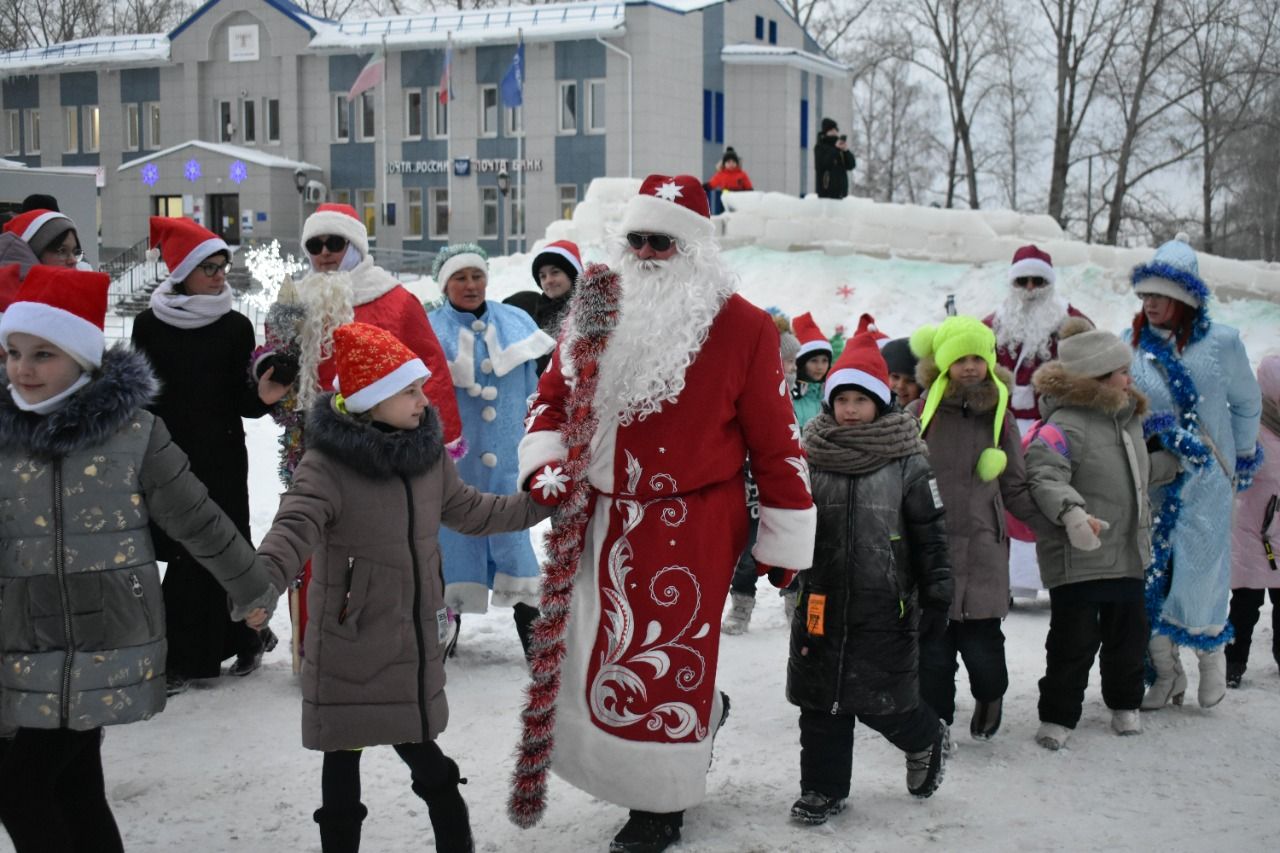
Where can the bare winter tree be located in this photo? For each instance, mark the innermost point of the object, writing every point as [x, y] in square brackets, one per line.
[1250, 224]
[1013, 91]
[35, 23]
[828, 21]
[147, 16]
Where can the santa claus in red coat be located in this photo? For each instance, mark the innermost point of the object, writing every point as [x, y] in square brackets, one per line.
[664, 381]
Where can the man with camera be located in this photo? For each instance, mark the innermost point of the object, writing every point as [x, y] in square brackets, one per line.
[833, 161]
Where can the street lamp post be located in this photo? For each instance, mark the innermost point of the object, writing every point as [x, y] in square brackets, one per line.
[300, 181]
[504, 184]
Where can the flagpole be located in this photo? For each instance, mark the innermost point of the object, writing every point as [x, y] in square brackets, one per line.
[386, 178]
[448, 127]
[524, 209]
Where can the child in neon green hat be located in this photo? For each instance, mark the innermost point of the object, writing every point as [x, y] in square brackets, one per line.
[976, 453]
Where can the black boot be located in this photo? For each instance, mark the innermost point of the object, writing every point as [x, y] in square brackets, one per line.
[448, 812]
[340, 827]
[986, 719]
[525, 615]
[648, 832]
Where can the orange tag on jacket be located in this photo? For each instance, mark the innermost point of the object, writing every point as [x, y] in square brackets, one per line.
[817, 606]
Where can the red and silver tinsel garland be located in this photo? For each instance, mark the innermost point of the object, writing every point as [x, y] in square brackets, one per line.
[592, 319]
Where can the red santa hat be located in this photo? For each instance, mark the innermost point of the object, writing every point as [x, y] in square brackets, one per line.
[341, 220]
[183, 244]
[867, 326]
[809, 335]
[561, 254]
[39, 228]
[1032, 261]
[372, 365]
[66, 307]
[676, 206]
[862, 365]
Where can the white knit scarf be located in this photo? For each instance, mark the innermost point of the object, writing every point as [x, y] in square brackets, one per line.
[186, 311]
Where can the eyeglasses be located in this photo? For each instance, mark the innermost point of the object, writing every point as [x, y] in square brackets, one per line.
[657, 242]
[69, 254]
[333, 243]
[1029, 281]
[211, 268]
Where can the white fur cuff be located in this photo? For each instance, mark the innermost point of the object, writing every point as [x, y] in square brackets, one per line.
[785, 539]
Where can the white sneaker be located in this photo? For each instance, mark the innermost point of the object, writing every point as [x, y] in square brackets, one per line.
[1126, 722]
[1052, 736]
[739, 615]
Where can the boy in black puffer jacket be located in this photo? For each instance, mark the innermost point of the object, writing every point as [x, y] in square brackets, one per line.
[881, 537]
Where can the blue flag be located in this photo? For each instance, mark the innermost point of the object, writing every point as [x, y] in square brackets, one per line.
[513, 80]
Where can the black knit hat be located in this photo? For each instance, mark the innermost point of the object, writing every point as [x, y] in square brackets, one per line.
[898, 356]
[829, 124]
[39, 201]
[730, 154]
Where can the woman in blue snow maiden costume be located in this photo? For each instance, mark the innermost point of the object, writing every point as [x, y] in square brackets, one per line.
[1205, 407]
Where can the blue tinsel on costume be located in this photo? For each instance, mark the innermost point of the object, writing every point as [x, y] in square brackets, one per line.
[1247, 467]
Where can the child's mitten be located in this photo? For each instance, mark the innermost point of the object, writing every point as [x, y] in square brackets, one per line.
[1079, 530]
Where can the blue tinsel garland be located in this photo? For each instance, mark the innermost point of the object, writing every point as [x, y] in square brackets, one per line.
[1247, 467]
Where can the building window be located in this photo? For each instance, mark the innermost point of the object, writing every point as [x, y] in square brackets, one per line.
[367, 205]
[166, 205]
[70, 130]
[226, 121]
[439, 213]
[568, 108]
[413, 114]
[153, 125]
[515, 121]
[13, 121]
[804, 123]
[439, 127]
[515, 212]
[488, 110]
[759, 28]
[273, 120]
[33, 131]
[489, 212]
[132, 128]
[368, 119]
[341, 119]
[568, 199]
[773, 32]
[91, 120]
[413, 202]
[595, 106]
[720, 117]
[249, 123]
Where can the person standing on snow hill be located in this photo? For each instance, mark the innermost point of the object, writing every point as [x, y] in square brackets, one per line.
[1206, 405]
[642, 551]
[974, 450]
[555, 269]
[854, 651]
[85, 468]
[832, 162]
[368, 500]
[492, 350]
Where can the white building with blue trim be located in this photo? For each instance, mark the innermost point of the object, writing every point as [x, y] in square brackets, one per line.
[239, 117]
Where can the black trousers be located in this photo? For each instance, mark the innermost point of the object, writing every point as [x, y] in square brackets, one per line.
[980, 644]
[340, 777]
[1076, 631]
[1246, 606]
[744, 574]
[52, 795]
[197, 622]
[826, 743]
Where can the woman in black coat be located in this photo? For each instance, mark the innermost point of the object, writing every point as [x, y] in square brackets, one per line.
[201, 351]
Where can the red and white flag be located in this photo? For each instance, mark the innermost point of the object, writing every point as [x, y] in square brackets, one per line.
[370, 76]
[446, 86]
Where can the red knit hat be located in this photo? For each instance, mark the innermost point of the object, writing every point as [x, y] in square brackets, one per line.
[66, 307]
[39, 228]
[1031, 261]
[183, 244]
[561, 254]
[670, 205]
[341, 220]
[859, 364]
[867, 326]
[372, 365]
[809, 335]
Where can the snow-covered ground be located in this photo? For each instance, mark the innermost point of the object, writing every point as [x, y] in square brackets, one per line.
[223, 769]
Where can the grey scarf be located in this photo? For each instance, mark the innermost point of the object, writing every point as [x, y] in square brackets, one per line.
[864, 447]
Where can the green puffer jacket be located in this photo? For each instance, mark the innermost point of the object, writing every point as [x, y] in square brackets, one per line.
[81, 614]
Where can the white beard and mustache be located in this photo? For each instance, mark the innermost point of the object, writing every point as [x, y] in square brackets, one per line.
[1029, 318]
[666, 313]
[327, 302]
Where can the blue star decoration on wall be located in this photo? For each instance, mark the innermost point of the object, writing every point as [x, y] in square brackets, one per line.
[150, 174]
[192, 170]
[239, 171]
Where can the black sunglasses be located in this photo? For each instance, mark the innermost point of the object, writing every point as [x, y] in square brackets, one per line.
[657, 242]
[1029, 281]
[333, 243]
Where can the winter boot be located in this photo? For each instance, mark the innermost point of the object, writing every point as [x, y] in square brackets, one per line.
[455, 630]
[648, 832]
[247, 662]
[925, 768]
[986, 719]
[525, 615]
[1126, 722]
[448, 812]
[1235, 673]
[1052, 736]
[340, 827]
[813, 808]
[739, 615]
[1171, 682]
[790, 601]
[1213, 677]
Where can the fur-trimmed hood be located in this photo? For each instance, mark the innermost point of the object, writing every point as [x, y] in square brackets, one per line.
[982, 397]
[123, 384]
[1058, 388]
[356, 443]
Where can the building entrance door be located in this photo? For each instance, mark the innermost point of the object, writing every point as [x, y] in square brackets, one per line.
[224, 217]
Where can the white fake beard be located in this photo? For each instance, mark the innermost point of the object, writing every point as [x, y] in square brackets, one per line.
[1029, 318]
[326, 300]
[666, 313]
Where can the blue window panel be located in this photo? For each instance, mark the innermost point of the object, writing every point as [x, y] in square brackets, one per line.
[759, 28]
[773, 32]
[706, 115]
[719, 116]
[804, 123]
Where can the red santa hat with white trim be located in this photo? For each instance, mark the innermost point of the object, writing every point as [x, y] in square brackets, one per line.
[860, 365]
[39, 228]
[67, 307]
[673, 205]
[372, 365]
[341, 220]
[1032, 261]
[183, 244]
[563, 255]
[867, 326]
[811, 339]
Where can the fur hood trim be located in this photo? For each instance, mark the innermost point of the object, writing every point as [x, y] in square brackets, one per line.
[1073, 326]
[123, 384]
[358, 444]
[1059, 388]
[983, 397]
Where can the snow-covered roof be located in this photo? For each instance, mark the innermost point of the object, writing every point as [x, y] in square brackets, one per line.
[98, 52]
[764, 54]
[289, 9]
[551, 22]
[250, 155]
